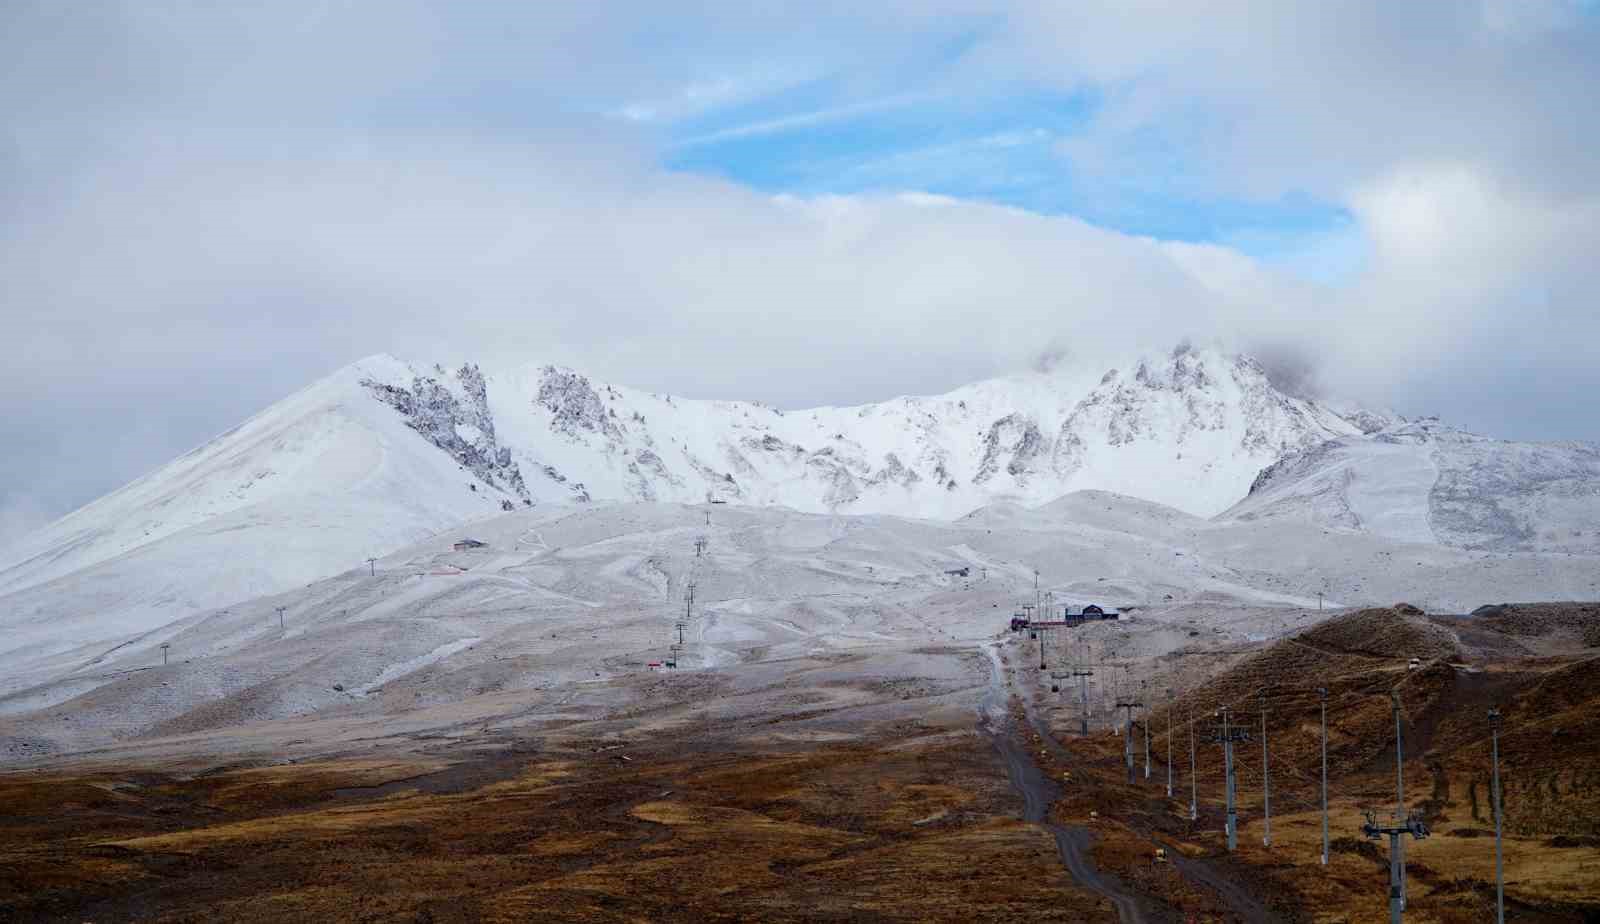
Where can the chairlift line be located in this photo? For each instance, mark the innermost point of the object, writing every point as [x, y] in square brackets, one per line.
[1405, 823]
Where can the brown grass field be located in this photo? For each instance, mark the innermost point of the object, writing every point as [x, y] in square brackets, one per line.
[900, 821]
[914, 831]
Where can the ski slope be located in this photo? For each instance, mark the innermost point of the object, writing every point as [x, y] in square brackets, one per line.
[562, 597]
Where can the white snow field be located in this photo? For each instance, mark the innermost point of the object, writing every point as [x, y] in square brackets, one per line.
[830, 528]
[562, 599]
[382, 454]
[1422, 481]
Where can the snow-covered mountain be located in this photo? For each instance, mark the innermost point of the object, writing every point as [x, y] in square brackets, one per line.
[1423, 481]
[382, 454]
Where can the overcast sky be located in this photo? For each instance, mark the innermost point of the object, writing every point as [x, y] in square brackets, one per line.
[205, 206]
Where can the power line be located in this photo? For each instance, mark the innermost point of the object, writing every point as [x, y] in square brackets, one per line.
[1405, 823]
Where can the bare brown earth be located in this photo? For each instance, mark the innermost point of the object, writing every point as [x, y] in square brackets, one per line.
[822, 789]
[910, 830]
[862, 794]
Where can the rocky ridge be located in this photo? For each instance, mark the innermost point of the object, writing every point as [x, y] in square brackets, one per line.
[1190, 428]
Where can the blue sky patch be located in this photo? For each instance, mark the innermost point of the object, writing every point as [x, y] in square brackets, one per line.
[1006, 150]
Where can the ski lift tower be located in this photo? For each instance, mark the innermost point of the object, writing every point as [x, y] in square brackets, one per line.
[1228, 735]
[1127, 740]
[1412, 824]
[1083, 687]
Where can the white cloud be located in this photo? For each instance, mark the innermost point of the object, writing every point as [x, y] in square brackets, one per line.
[214, 205]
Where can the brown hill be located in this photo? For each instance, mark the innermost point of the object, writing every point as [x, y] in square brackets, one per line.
[1550, 747]
[1561, 623]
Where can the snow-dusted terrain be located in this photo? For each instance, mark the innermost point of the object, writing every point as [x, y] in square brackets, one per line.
[1185, 485]
[381, 454]
[563, 597]
[1425, 482]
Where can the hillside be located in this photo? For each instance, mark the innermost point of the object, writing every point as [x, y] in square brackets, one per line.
[1550, 704]
[382, 454]
[1117, 467]
[1425, 482]
[564, 595]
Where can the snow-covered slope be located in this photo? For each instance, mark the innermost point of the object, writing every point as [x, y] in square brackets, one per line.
[383, 453]
[562, 597]
[310, 486]
[1426, 482]
[387, 450]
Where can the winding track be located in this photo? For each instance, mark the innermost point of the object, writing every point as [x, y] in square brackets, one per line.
[1201, 870]
[1038, 793]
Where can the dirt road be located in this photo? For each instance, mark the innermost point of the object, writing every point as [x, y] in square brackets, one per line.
[1038, 792]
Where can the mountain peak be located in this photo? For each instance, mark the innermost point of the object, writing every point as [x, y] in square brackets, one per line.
[384, 452]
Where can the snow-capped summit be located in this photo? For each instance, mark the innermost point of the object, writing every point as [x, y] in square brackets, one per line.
[383, 453]
[1190, 429]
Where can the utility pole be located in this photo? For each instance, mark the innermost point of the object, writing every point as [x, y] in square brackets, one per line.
[1322, 693]
[1036, 600]
[1142, 685]
[1116, 695]
[1399, 792]
[700, 543]
[680, 626]
[1083, 685]
[164, 647]
[280, 616]
[1169, 742]
[1499, 862]
[688, 603]
[1266, 778]
[1127, 740]
[1226, 737]
[1194, 786]
[1042, 635]
[372, 567]
[1319, 601]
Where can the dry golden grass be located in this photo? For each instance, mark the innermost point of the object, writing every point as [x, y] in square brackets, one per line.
[826, 833]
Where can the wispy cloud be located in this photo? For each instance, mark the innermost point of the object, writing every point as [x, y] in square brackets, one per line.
[704, 96]
[788, 123]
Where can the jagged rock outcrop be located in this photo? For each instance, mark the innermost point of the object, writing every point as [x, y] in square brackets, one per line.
[461, 425]
[1189, 428]
[1015, 439]
[574, 405]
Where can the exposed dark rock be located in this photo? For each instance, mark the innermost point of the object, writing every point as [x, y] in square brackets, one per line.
[574, 405]
[461, 426]
[1014, 435]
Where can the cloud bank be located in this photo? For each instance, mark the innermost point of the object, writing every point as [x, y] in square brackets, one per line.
[208, 208]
